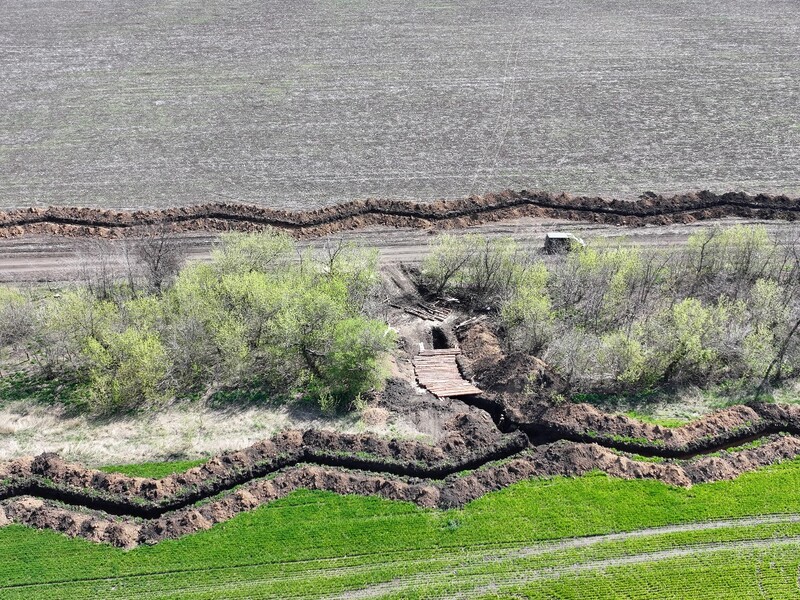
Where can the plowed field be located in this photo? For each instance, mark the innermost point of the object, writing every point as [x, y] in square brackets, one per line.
[291, 104]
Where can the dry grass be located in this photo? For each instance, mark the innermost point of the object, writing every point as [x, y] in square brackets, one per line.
[174, 433]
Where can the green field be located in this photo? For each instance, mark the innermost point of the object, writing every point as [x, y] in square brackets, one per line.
[529, 540]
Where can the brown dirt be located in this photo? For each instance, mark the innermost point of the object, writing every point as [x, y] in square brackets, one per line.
[649, 210]
[429, 414]
[582, 422]
[502, 375]
[469, 440]
[482, 349]
[560, 458]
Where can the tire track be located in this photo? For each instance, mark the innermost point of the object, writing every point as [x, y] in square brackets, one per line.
[493, 582]
[489, 553]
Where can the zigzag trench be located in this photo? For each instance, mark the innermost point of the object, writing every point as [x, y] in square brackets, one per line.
[540, 439]
[650, 209]
[46, 492]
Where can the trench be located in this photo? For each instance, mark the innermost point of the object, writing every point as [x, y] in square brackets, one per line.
[440, 341]
[419, 215]
[526, 435]
[540, 434]
[152, 510]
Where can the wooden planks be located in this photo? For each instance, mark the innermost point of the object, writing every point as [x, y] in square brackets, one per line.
[425, 311]
[437, 371]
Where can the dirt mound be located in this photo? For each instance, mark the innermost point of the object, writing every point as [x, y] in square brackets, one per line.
[521, 375]
[469, 440]
[560, 458]
[481, 348]
[429, 414]
[543, 421]
[501, 374]
[73, 221]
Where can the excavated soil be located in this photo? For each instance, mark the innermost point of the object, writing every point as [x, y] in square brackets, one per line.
[648, 210]
[470, 460]
[467, 443]
[543, 422]
[560, 458]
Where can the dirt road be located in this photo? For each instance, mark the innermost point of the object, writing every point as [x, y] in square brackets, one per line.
[54, 259]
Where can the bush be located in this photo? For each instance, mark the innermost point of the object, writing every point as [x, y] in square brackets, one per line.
[15, 316]
[126, 370]
[725, 307]
[480, 272]
[258, 314]
[527, 315]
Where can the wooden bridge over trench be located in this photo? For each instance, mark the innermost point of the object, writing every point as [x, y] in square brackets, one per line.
[437, 371]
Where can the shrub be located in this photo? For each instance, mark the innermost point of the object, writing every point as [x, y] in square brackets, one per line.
[443, 266]
[724, 306]
[527, 315]
[258, 314]
[126, 370]
[15, 316]
[479, 271]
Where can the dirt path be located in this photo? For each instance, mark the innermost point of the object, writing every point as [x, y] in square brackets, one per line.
[46, 258]
[476, 554]
[477, 584]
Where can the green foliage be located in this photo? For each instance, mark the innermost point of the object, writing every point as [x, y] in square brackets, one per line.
[65, 390]
[66, 323]
[681, 339]
[442, 268]
[527, 315]
[284, 325]
[352, 359]
[623, 357]
[242, 253]
[126, 370]
[259, 315]
[728, 260]
[14, 316]
[597, 287]
[356, 267]
[609, 317]
[481, 272]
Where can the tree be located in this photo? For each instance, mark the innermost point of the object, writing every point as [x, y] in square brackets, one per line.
[356, 266]
[159, 256]
[264, 252]
[527, 315]
[126, 370]
[446, 259]
[102, 264]
[16, 316]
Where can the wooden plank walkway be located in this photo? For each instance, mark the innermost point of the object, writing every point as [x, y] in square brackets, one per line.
[425, 311]
[437, 371]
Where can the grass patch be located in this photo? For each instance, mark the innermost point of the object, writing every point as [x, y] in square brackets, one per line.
[154, 470]
[39, 389]
[663, 421]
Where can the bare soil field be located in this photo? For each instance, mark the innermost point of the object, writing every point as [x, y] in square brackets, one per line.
[304, 104]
